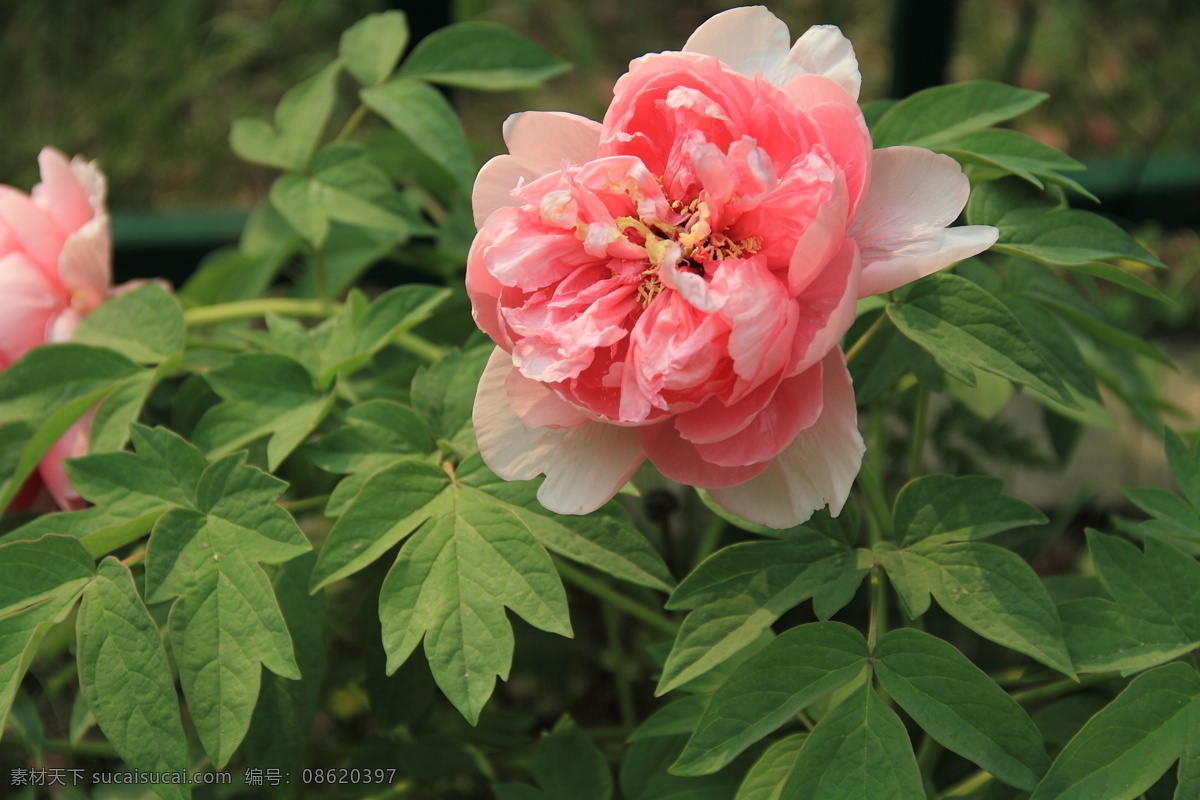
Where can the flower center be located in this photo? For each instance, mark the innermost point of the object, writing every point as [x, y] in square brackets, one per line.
[691, 244]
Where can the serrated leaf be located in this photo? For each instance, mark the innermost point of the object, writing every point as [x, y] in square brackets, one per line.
[118, 411]
[566, 765]
[944, 508]
[1173, 515]
[789, 674]
[766, 779]
[1185, 466]
[991, 590]
[225, 620]
[42, 394]
[422, 115]
[1153, 617]
[1124, 749]
[1067, 237]
[944, 113]
[481, 55]
[264, 395]
[1055, 344]
[739, 591]
[450, 585]
[300, 120]
[990, 202]
[858, 750]
[144, 324]
[959, 323]
[125, 677]
[372, 46]
[960, 706]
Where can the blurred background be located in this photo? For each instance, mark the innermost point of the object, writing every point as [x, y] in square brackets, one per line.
[150, 90]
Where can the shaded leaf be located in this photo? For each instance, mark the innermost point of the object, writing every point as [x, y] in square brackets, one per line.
[944, 508]
[481, 55]
[300, 120]
[943, 113]
[372, 46]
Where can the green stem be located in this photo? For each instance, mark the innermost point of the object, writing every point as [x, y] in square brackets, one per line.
[252, 309]
[920, 424]
[708, 540]
[872, 489]
[928, 755]
[423, 349]
[806, 720]
[305, 503]
[878, 625]
[319, 277]
[602, 591]
[65, 747]
[616, 654]
[1064, 686]
[861, 342]
[968, 786]
[352, 124]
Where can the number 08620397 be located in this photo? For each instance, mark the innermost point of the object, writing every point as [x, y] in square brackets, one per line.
[348, 776]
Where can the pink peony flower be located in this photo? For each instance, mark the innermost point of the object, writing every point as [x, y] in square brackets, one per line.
[55, 268]
[673, 283]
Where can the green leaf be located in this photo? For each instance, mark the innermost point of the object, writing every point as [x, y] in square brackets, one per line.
[40, 581]
[224, 620]
[943, 113]
[858, 750]
[991, 590]
[372, 46]
[566, 766]
[990, 202]
[450, 585]
[676, 717]
[1188, 783]
[422, 115]
[766, 779]
[480, 55]
[282, 723]
[265, 395]
[444, 393]
[1067, 237]
[120, 408]
[1013, 152]
[300, 119]
[960, 324]
[943, 508]
[960, 706]
[1126, 747]
[1174, 516]
[1056, 345]
[1154, 617]
[644, 774]
[776, 683]
[25, 723]
[739, 591]
[606, 539]
[243, 272]
[1185, 466]
[1123, 278]
[125, 677]
[372, 435]
[145, 325]
[42, 395]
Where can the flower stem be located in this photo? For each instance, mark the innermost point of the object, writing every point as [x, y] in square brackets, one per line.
[878, 625]
[319, 277]
[423, 349]
[708, 540]
[602, 591]
[1064, 686]
[352, 124]
[252, 309]
[919, 426]
[861, 342]
[872, 489]
[616, 655]
[967, 786]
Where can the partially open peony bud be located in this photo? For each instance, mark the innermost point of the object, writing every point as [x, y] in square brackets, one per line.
[673, 283]
[55, 268]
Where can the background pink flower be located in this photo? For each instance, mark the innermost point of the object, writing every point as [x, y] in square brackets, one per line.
[55, 268]
[673, 283]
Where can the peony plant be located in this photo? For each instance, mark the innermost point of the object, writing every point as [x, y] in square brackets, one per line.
[713, 394]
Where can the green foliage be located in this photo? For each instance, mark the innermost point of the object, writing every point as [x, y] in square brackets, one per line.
[480, 55]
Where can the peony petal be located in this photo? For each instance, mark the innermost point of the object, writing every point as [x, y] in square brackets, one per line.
[585, 465]
[716, 420]
[85, 264]
[819, 243]
[843, 129]
[795, 406]
[72, 444]
[494, 186]
[817, 469]
[827, 307]
[60, 193]
[822, 50]
[680, 460]
[749, 39]
[901, 225]
[32, 228]
[543, 141]
[29, 303]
